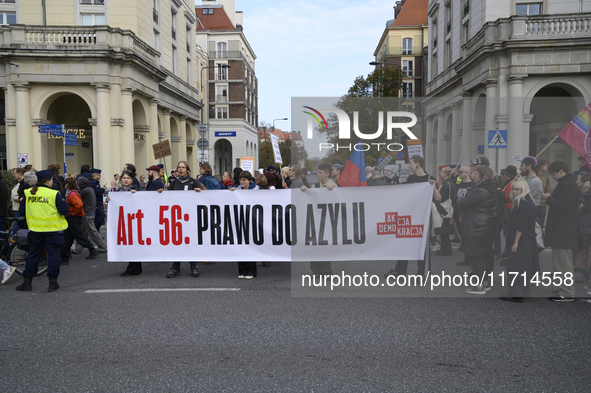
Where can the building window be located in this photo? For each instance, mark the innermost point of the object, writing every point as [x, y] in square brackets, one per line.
[173, 23]
[434, 70]
[407, 93]
[93, 19]
[208, 11]
[221, 112]
[189, 72]
[447, 19]
[95, 2]
[407, 46]
[466, 32]
[189, 30]
[174, 59]
[156, 39]
[448, 54]
[528, 9]
[155, 9]
[221, 93]
[7, 18]
[407, 67]
[466, 7]
[222, 74]
[222, 50]
[434, 34]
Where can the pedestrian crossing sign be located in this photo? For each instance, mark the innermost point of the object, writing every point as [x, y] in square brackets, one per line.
[497, 139]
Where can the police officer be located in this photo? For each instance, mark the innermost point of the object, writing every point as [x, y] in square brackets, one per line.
[44, 209]
[99, 214]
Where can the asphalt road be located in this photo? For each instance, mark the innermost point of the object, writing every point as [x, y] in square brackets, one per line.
[221, 334]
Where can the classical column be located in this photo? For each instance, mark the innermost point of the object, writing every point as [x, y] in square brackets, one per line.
[517, 134]
[527, 119]
[183, 142]
[489, 118]
[429, 153]
[468, 147]
[126, 137]
[10, 126]
[101, 139]
[166, 129]
[440, 159]
[152, 137]
[455, 138]
[24, 131]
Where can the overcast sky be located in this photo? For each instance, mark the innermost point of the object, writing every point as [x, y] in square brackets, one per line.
[310, 48]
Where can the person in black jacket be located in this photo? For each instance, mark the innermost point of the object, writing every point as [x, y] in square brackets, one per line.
[561, 227]
[523, 262]
[582, 259]
[479, 221]
[4, 198]
[184, 182]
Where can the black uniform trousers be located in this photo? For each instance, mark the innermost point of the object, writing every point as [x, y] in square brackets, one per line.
[38, 243]
[74, 232]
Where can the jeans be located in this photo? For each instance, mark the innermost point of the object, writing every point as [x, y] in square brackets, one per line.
[3, 265]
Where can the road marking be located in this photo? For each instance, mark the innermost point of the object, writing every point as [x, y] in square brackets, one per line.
[163, 290]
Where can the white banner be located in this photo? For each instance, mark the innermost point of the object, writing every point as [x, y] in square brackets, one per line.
[276, 151]
[357, 223]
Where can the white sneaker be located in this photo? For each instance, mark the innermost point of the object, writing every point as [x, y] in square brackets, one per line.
[241, 276]
[249, 277]
[8, 273]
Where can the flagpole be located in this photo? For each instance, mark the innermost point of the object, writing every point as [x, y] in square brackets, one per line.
[543, 150]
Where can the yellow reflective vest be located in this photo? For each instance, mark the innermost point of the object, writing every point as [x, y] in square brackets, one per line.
[41, 212]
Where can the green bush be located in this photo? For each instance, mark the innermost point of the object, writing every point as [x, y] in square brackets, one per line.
[10, 181]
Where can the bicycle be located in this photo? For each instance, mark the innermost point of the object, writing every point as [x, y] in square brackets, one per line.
[16, 248]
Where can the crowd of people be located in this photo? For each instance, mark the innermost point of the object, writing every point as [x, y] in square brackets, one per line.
[470, 205]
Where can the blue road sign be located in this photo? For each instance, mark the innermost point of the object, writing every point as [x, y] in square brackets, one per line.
[46, 128]
[71, 142]
[226, 134]
[56, 132]
[71, 137]
[497, 139]
[480, 149]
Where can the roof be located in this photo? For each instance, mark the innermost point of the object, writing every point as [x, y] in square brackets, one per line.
[219, 21]
[281, 135]
[413, 13]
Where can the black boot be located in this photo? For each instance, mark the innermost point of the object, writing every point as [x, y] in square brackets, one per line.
[26, 285]
[53, 285]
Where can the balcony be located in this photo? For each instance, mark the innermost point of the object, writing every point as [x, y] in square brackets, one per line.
[231, 54]
[398, 51]
[155, 16]
[82, 38]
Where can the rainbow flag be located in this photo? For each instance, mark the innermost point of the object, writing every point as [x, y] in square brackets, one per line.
[576, 133]
[354, 173]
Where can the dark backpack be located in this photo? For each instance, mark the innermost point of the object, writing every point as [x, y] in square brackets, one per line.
[500, 211]
[212, 183]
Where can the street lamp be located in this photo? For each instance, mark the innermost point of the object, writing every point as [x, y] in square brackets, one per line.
[226, 66]
[283, 118]
[375, 63]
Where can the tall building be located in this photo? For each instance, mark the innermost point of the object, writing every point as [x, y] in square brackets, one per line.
[233, 90]
[401, 46]
[121, 75]
[521, 66]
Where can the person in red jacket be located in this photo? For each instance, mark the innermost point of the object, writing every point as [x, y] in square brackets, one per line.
[74, 218]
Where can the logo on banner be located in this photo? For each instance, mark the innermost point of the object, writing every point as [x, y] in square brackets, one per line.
[345, 128]
[400, 226]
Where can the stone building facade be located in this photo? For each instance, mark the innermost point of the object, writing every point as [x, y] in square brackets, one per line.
[521, 66]
[121, 75]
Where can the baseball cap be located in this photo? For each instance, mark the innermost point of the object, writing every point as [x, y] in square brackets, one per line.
[482, 160]
[510, 170]
[530, 160]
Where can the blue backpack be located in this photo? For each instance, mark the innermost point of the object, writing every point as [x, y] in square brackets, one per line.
[212, 183]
